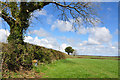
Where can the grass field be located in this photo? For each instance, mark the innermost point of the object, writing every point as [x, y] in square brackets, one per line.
[72, 67]
[80, 68]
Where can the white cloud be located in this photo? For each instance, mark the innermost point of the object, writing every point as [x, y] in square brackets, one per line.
[113, 47]
[63, 46]
[40, 33]
[28, 39]
[99, 35]
[92, 41]
[48, 42]
[82, 30]
[3, 35]
[97, 50]
[73, 41]
[39, 12]
[62, 25]
[65, 26]
[42, 12]
[95, 45]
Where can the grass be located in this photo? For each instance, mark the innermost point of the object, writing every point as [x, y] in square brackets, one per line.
[80, 68]
[73, 67]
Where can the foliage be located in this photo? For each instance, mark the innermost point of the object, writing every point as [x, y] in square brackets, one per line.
[15, 57]
[69, 49]
[27, 53]
[46, 55]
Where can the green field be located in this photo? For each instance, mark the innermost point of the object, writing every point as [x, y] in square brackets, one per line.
[73, 67]
[79, 68]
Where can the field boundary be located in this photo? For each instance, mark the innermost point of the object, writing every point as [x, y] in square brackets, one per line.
[95, 58]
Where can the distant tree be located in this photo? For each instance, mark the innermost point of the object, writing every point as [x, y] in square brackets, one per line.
[69, 50]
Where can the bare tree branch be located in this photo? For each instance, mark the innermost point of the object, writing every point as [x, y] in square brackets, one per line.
[83, 10]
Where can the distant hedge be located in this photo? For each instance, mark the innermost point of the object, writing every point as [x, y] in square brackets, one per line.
[28, 52]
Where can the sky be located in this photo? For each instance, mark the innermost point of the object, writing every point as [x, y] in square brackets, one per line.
[51, 32]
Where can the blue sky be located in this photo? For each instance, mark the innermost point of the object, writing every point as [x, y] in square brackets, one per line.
[50, 32]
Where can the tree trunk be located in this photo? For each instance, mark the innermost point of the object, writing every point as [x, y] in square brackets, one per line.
[18, 48]
[16, 35]
[68, 53]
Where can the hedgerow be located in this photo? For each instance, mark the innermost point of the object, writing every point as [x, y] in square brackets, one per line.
[28, 52]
